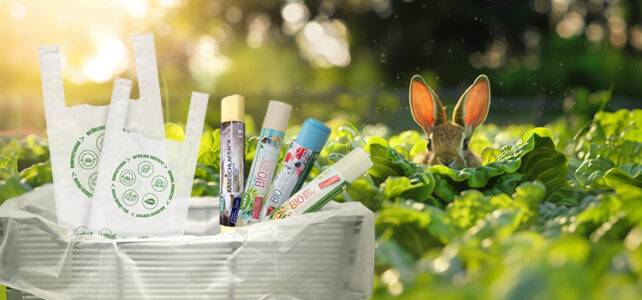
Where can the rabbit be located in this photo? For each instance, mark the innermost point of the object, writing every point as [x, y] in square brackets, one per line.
[448, 141]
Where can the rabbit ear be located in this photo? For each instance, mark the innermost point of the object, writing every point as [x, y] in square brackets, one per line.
[425, 106]
[472, 108]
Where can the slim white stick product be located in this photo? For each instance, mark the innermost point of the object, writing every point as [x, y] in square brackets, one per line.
[232, 163]
[264, 163]
[328, 184]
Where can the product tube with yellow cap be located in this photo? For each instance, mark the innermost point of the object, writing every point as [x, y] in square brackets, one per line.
[232, 158]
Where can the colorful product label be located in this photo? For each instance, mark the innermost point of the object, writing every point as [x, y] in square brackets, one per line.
[312, 196]
[261, 174]
[232, 166]
[295, 168]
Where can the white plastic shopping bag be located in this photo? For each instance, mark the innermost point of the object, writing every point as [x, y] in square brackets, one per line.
[144, 183]
[76, 133]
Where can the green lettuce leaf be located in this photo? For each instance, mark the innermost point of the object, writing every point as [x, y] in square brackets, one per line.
[12, 187]
[174, 132]
[209, 149]
[545, 164]
[388, 162]
[415, 230]
[8, 165]
[590, 173]
[417, 188]
[534, 159]
[627, 175]
[38, 174]
[472, 206]
[614, 136]
[365, 191]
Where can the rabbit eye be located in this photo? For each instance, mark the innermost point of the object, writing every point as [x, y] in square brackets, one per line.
[465, 144]
[429, 146]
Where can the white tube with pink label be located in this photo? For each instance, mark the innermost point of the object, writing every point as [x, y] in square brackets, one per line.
[326, 186]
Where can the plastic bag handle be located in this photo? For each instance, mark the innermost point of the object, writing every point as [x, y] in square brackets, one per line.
[146, 68]
[53, 91]
[188, 149]
[149, 102]
[147, 75]
[196, 117]
[117, 114]
[193, 131]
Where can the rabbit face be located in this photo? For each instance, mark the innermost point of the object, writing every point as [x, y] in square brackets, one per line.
[446, 146]
[448, 141]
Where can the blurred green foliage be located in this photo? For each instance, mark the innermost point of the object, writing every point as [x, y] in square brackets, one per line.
[543, 56]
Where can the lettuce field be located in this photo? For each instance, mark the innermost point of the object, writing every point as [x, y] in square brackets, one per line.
[554, 212]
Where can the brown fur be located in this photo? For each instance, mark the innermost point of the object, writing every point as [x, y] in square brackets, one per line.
[446, 142]
[447, 138]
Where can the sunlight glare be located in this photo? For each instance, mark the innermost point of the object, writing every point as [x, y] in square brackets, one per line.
[206, 62]
[136, 8]
[18, 11]
[258, 28]
[571, 25]
[594, 32]
[295, 14]
[325, 43]
[169, 3]
[109, 59]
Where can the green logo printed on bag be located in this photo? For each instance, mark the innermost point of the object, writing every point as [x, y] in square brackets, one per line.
[82, 230]
[107, 233]
[130, 197]
[84, 157]
[127, 177]
[159, 183]
[146, 175]
[150, 201]
[145, 169]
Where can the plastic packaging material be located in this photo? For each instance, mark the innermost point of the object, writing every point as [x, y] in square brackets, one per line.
[232, 164]
[296, 165]
[141, 190]
[323, 255]
[264, 163]
[76, 133]
[328, 184]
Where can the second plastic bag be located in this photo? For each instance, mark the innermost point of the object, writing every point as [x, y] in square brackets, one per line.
[76, 133]
[143, 183]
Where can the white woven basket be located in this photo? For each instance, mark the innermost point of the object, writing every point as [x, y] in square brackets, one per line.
[324, 255]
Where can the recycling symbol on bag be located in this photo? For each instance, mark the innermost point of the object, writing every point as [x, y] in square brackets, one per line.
[142, 186]
[88, 159]
[84, 158]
